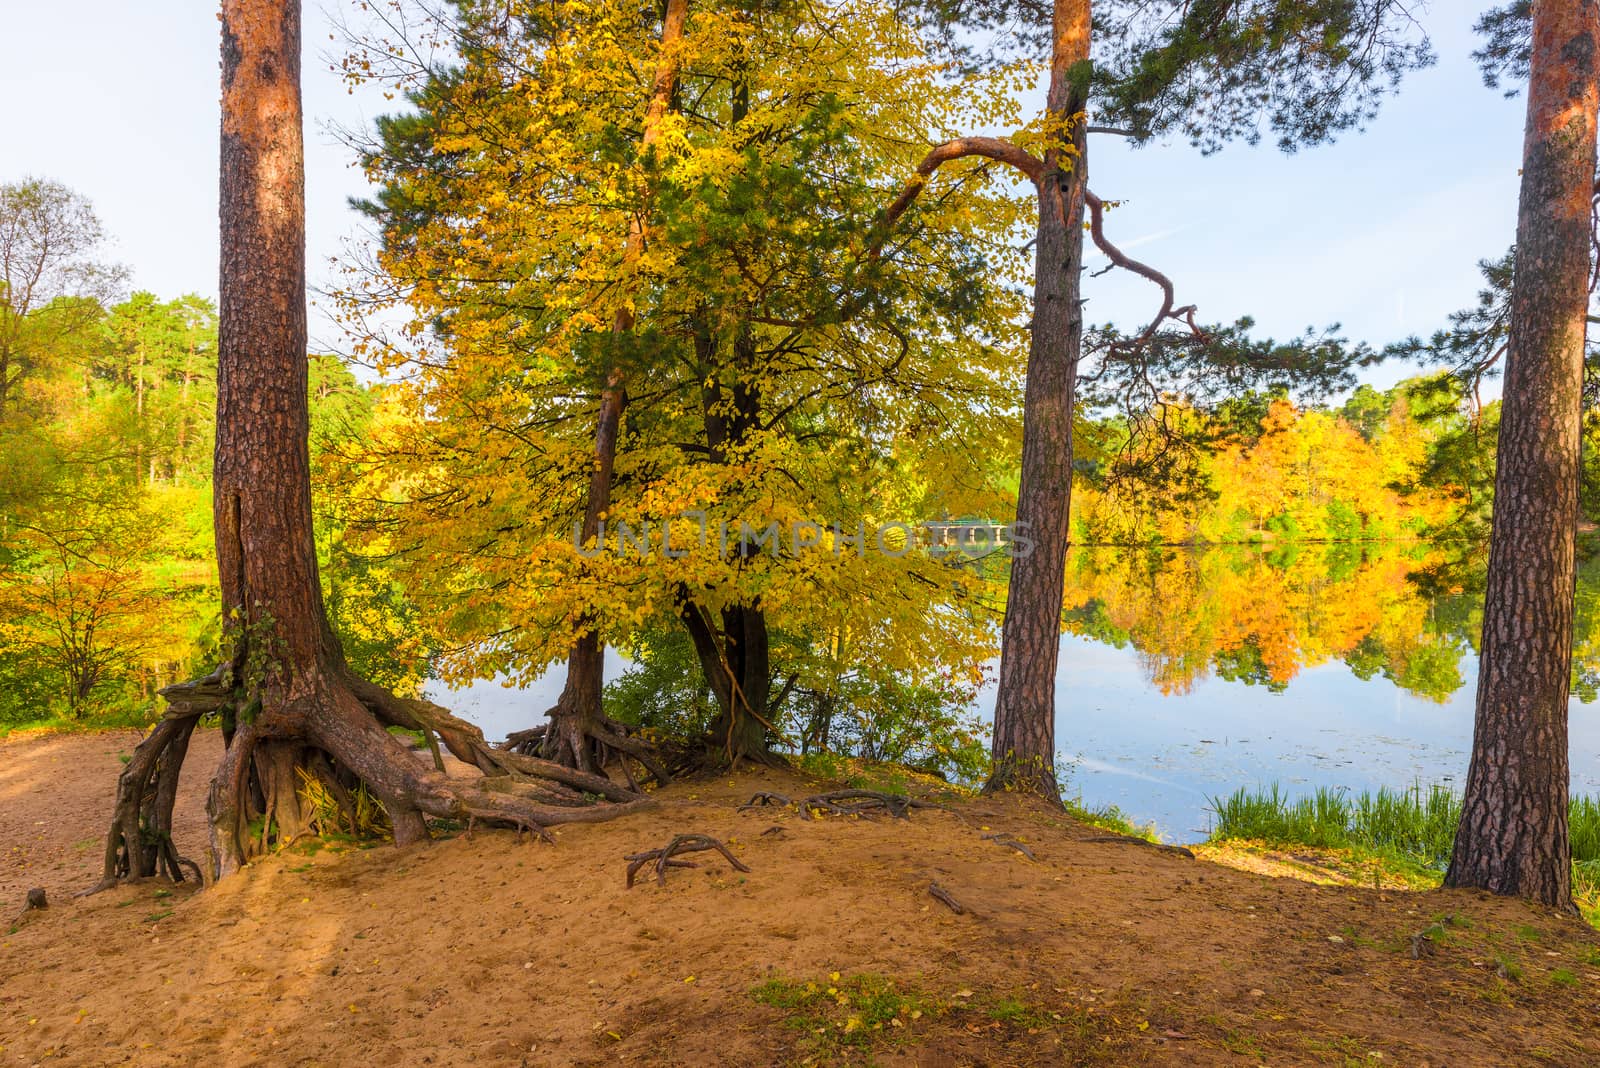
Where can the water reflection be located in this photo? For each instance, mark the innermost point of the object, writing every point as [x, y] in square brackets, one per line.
[1245, 615]
[1188, 672]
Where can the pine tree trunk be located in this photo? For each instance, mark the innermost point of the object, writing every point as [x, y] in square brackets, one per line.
[285, 657]
[290, 705]
[1024, 713]
[1513, 835]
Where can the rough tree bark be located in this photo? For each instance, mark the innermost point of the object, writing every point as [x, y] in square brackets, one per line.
[290, 705]
[735, 657]
[1024, 713]
[1513, 835]
[579, 734]
[739, 672]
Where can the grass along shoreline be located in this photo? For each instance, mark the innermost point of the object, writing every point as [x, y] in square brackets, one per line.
[1404, 834]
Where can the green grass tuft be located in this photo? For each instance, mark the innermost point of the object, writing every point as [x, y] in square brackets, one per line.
[1415, 826]
[1110, 818]
[861, 1012]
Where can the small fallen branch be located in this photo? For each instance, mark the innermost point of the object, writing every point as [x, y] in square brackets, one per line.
[535, 831]
[1009, 842]
[1128, 839]
[944, 896]
[665, 857]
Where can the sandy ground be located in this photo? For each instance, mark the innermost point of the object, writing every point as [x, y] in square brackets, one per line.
[497, 951]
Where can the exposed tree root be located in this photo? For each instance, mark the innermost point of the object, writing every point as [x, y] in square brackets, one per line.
[590, 744]
[866, 803]
[330, 726]
[139, 844]
[535, 832]
[665, 857]
[764, 799]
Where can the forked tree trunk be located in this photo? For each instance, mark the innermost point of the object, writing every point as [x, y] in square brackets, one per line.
[1513, 836]
[1024, 713]
[291, 708]
[735, 657]
[738, 669]
[579, 734]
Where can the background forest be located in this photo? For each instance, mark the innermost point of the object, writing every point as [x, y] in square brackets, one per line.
[108, 580]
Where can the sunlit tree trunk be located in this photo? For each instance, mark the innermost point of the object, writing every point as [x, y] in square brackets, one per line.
[1513, 836]
[290, 706]
[1024, 714]
[284, 653]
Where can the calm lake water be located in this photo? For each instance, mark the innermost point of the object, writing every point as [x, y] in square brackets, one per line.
[1187, 674]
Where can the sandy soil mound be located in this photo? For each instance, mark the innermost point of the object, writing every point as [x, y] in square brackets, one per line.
[831, 950]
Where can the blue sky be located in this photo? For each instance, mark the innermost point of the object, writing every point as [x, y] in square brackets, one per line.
[1380, 232]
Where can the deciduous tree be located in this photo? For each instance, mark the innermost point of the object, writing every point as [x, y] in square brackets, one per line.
[50, 283]
[792, 363]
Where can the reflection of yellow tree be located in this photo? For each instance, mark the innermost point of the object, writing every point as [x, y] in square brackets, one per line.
[1243, 616]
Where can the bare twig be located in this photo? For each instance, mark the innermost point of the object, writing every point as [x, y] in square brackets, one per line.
[1011, 843]
[944, 896]
[1121, 259]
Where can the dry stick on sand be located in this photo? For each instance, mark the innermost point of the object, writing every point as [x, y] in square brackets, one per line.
[943, 895]
[664, 857]
[1007, 840]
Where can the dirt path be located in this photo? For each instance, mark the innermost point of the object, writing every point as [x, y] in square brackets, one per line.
[498, 952]
[56, 792]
